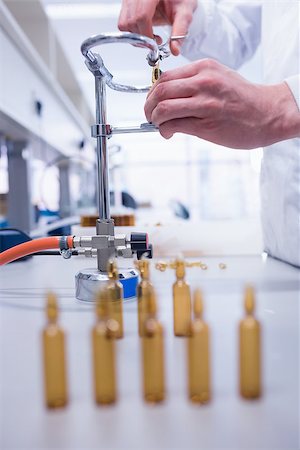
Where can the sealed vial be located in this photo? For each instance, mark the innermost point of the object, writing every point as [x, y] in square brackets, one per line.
[115, 294]
[153, 355]
[55, 378]
[144, 292]
[199, 386]
[250, 343]
[103, 344]
[181, 301]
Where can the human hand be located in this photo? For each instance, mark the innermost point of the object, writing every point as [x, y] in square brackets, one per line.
[213, 102]
[139, 16]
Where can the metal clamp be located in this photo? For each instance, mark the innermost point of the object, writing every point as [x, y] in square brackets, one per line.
[103, 130]
[95, 63]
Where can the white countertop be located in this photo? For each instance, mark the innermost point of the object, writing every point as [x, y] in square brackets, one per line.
[227, 422]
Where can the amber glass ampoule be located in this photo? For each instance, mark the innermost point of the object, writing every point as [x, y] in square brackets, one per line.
[144, 291]
[103, 342]
[199, 387]
[153, 355]
[181, 301]
[249, 339]
[55, 378]
[115, 294]
[156, 72]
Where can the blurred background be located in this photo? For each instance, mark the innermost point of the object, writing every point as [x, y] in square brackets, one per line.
[47, 158]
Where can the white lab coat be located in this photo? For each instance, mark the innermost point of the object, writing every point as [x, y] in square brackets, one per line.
[230, 32]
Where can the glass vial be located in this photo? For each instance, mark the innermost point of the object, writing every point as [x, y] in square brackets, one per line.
[153, 355]
[199, 387]
[181, 301]
[55, 378]
[103, 344]
[115, 294]
[144, 292]
[249, 342]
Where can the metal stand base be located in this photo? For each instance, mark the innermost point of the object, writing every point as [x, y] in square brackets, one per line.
[89, 281]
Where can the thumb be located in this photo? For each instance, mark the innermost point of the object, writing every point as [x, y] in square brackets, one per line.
[181, 23]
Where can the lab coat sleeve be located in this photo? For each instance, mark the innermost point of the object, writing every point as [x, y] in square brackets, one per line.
[294, 85]
[228, 31]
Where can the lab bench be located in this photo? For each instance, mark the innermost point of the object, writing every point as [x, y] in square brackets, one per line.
[226, 422]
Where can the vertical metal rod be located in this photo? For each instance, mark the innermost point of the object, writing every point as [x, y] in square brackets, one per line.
[104, 226]
[102, 153]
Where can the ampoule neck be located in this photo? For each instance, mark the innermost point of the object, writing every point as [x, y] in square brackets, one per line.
[52, 308]
[112, 271]
[249, 302]
[145, 278]
[180, 269]
[143, 266]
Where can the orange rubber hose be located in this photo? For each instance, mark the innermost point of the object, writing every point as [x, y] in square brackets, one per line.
[27, 248]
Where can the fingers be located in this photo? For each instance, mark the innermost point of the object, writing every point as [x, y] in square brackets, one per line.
[180, 73]
[165, 91]
[125, 23]
[207, 130]
[198, 89]
[178, 108]
[137, 16]
[158, 39]
[144, 27]
[189, 125]
[182, 20]
[203, 107]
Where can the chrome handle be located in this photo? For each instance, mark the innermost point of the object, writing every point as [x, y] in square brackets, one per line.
[95, 63]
